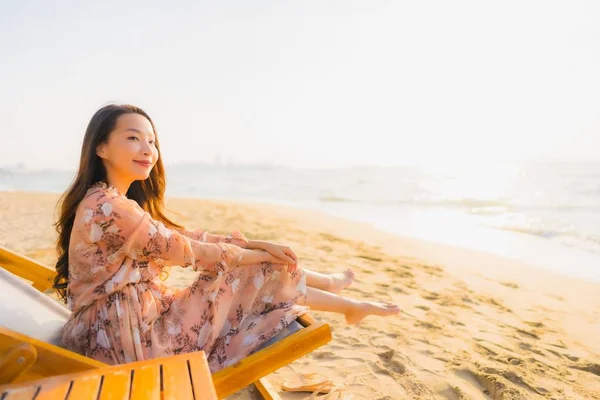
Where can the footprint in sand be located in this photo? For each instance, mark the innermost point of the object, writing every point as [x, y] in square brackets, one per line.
[492, 301]
[516, 378]
[530, 334]
[367, 272]
[433, 270]
[515, 361]
[470, 383]
[554, 352]
[324, 355]
[399, 273]
[332, 238]
[377, 367]
[431, 296]
[391, 362]
[529, 347]
[592, 368]
[412, 285]
[393, 335]
[559, 343]
[535, 324]
[326, 248]
[369, 257]
[571, 357]
[375, 341]
[484, 350]
[428, 325]
[404, 275]
[351, 341]
[489, 382]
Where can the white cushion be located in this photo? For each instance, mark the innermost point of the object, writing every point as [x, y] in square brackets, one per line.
[25, 310]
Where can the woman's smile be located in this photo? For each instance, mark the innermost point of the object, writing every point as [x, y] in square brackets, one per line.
[143, 163]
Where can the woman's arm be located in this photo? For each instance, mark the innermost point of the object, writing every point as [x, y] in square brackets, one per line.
[124, 229]
[236, 238]
[282, 254]
[257, 244]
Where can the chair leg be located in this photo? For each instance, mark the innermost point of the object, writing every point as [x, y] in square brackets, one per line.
[266, 389]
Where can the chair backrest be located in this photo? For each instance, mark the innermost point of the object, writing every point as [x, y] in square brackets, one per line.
[41, 277]
[25, 310]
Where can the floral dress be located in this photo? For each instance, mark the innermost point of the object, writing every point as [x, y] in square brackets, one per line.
[123, 312]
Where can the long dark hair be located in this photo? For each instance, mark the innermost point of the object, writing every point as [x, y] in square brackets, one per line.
[149, 193]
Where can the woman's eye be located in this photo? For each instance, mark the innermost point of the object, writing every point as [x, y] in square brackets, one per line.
[132, 138]
[153, 142]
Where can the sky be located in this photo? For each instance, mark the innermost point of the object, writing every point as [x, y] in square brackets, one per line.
[306, 84]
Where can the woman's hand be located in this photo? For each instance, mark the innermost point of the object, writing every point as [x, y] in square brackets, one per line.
[280, 253]
[284, 253]
[255, 256]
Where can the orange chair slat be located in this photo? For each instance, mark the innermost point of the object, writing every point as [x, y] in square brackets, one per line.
[146, 383]
[204, 388]
[54, 390]
[25, 393]
[176, 380]
[116, 385]
[86, 387]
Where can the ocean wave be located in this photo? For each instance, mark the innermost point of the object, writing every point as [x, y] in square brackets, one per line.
[496, 206]
[465, 202]
[469, 205]
[475, 205]
[336, 199]
[564, 234]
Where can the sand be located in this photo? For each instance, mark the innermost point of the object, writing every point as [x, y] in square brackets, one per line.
[473, 325]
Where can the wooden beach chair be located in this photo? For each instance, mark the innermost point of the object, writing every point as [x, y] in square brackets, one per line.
[37, 320]
[181, 377]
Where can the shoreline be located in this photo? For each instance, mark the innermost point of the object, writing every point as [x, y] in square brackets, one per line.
[525, 249]
[474, 325]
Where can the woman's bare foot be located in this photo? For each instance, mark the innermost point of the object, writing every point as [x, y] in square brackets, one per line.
[340, 280]
[363, 309]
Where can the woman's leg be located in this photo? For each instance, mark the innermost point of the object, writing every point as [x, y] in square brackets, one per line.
[353, 310]
[333, 283]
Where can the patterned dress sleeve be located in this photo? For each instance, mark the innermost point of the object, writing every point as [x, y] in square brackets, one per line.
[129, 231]
[235, 238]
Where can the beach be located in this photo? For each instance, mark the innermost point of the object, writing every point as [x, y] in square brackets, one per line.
[473, 325]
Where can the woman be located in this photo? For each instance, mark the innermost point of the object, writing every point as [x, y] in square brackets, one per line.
[114, 241]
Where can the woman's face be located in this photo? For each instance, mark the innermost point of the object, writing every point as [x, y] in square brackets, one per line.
[130, 152]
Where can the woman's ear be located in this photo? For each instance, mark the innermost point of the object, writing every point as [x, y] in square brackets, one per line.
[100, 150]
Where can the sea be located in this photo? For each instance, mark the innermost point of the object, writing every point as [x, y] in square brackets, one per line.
[546, 214]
